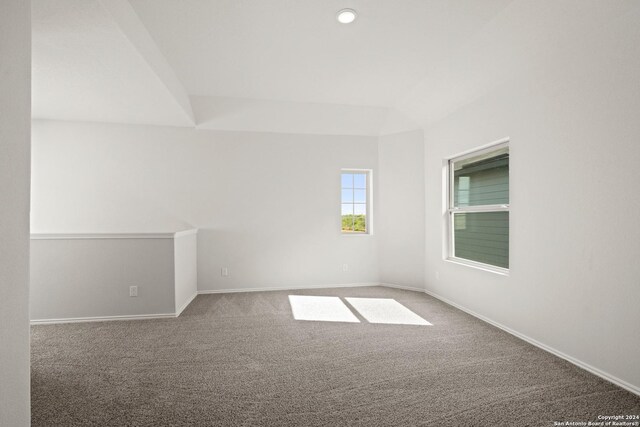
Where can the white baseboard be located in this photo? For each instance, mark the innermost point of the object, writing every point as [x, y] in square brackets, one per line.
[286, 288]
[186, 304]
[406, 288]
[102, 318]
[111, 318]
[604, 375]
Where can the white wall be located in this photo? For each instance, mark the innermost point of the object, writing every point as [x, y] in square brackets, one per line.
[15, 113]
[185, 259]
[401, 213]
[569, 101]
[267, 206]
[90, 277]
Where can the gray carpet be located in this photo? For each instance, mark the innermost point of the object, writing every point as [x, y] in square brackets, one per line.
[241, 359]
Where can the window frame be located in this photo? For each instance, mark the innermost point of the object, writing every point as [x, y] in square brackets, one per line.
[368, 201]
[451, 210]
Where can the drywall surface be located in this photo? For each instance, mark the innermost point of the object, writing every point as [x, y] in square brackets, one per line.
[267, 206]
[401, 211]
[185, 246]
[90, 277]
[15, 114]
[570, 107]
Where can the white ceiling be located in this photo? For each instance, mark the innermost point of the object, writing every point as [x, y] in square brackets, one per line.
[295, 50]
[85, 68]
[151, 61]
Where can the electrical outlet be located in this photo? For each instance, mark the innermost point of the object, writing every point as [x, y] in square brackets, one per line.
[224, 272]
[345, 267]
[133, 291]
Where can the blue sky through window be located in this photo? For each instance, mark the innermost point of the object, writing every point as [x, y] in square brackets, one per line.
[359, 180]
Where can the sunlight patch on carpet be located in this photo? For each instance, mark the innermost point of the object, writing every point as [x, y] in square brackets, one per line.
[386, 310]
[325, 309]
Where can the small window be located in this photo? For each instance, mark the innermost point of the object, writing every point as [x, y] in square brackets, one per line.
[355, 199]
[478, 208]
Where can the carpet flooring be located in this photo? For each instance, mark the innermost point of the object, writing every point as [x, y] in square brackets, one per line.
[242, 359]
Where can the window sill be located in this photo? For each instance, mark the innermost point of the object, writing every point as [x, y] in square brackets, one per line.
[356, 234]
[479, 266]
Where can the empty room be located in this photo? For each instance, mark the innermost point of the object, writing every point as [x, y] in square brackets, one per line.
[319, 213]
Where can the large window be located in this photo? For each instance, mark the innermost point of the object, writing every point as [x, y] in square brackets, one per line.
[478, 208]
[356, 214]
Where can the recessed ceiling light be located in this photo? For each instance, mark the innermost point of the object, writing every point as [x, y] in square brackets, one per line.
[346, 16]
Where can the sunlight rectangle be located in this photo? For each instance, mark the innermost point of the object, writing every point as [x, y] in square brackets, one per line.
[324, 309]
[386, 310]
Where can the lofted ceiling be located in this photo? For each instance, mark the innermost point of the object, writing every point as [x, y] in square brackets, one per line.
[277, 65]
[295, 50]
[85, 68]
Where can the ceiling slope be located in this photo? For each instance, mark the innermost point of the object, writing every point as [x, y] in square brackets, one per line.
[126, 18]
[256, 115]
[279, 66]
[542, 39]
[85, 67]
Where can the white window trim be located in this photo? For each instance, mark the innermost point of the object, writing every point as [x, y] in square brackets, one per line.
[450, 210]
[369, 204]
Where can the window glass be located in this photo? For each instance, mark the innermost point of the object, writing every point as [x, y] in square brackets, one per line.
[355, 203]
[482, 237]
[360, 196]
[482, 180]
[347, 209]
[479, 207]
[360, 180]
[347, 180]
